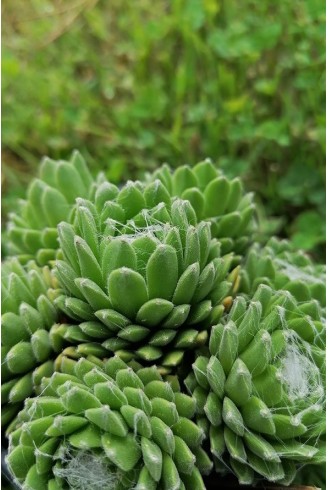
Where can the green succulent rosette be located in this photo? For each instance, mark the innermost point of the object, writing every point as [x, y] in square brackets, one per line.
[108, 426]
[148, 289]
[28, 313]
[215, 198]
[279, 265]
[259, 390]
[32, 230]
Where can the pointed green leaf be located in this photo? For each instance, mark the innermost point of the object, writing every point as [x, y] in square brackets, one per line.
[216, 196]
[232, 417]
[109, 393]
[196, 198]
[192, 247]
[88, 228]
[186, 285]
[69, 181]
[257, 354]
[162, 337]
[270, 470]
[117, 253]
[216, 376]
[89, 265]
[205, 283]
[228, 348]
[243, 472]
[239, 383]
[149, 353]
[162, 435]
[64, 425]
[170, 474]
[261, 447]
[55, 206]
[86, 438]
[108, 420]
[234, 444]
[20, 358]
[145, 481]
[154, 311]
[257, 416]
[20, 459]
[162, 272]
[188, 431]
[137, 420]
[131, 199]
[177, 317]
[127, 291]
[155, 193]
[288, 427]
[213, 409]
[41, 345]
[77, 398]
[153, 459]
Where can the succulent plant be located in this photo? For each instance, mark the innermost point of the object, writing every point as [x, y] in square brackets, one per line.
[148, 274]
[214, 198]
[28, 312]
[260, 389]
[148, 289]
[108, 426]
[32, 230]
[279, 265]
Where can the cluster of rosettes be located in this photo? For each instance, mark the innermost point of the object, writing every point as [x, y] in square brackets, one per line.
[131, 420]
[260, 391]
[214, 199]
[32, 231]
[151, 291]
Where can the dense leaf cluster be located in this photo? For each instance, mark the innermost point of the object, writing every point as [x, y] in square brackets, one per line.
[147, 334]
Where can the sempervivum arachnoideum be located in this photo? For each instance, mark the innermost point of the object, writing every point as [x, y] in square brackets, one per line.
[281, 266]
[28, 313]
[108, 426]
[214, 198]
[149, 289]
[32, 231]
[260, 389]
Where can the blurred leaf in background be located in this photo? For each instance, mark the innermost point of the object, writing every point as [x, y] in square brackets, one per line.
[133, 86]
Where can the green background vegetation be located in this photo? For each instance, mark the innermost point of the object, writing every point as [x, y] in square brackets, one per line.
[134, 84]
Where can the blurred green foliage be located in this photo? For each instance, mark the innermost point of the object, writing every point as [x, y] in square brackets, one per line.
[133, 84]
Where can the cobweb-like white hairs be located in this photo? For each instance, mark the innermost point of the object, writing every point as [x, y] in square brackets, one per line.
[84, 470]
[299, 373]
[152, 227]
[308, 274]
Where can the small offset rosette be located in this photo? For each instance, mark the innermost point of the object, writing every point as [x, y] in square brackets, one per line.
[128, 424]
[28, 313]
[260, 392]
[50, 198]
[215, 198]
